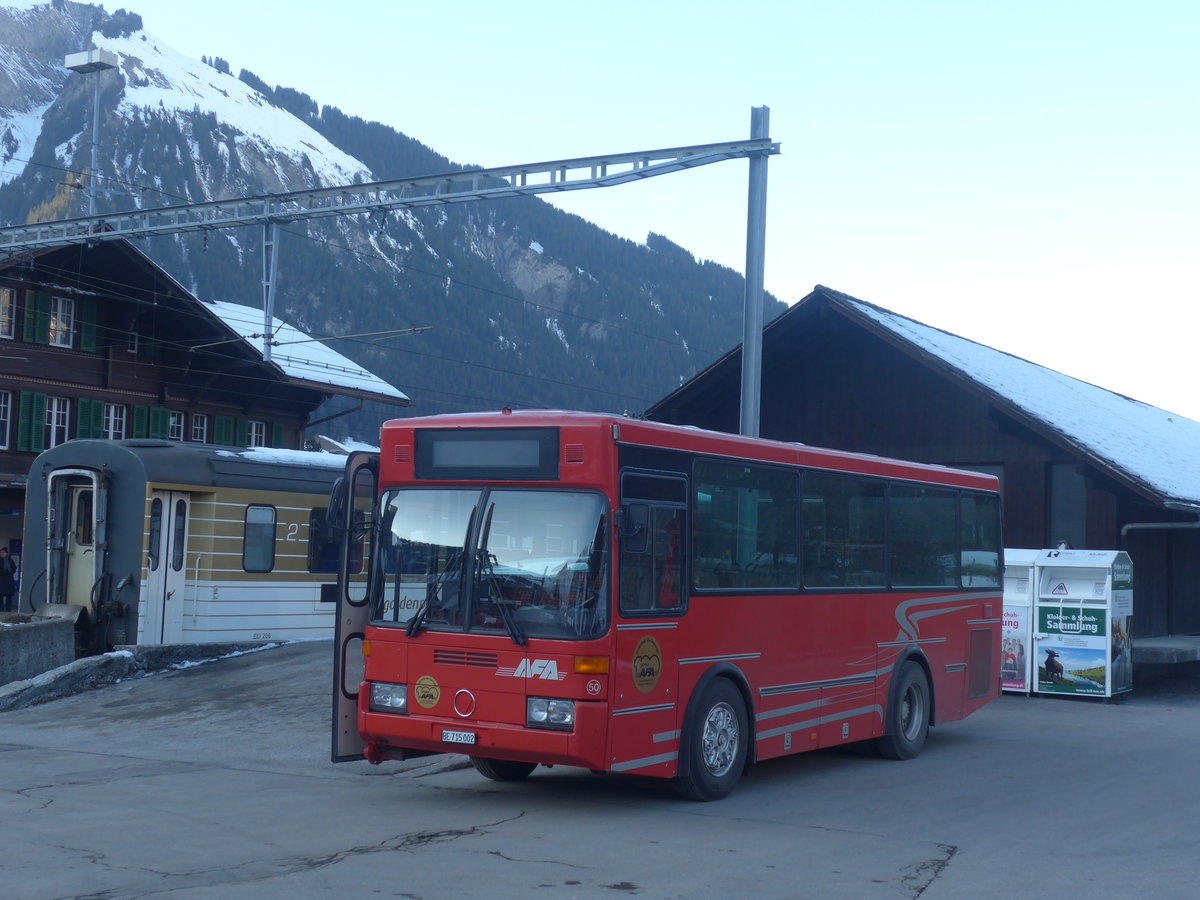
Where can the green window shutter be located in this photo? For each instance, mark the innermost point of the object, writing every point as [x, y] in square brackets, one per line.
[25, 422]
[140, 415]
[276, 435]
[222, 430]
[29, 327]
[83, 420]
[91, 419]
[87, 326]
[37, 423]
[242, 433]
[160, 423]
[37, 317]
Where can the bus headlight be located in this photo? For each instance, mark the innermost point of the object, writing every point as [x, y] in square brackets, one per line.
[391, 698]
[542, 712]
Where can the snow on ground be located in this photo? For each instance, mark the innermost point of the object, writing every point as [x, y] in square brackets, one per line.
[18, 133]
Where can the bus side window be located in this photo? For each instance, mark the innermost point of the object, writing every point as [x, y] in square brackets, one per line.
[651, 566]
[979, 523]
[652, 542]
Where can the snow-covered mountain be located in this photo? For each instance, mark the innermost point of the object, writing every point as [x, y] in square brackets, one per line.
[529, 306]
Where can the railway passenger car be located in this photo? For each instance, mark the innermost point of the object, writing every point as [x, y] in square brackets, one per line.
[158, 542]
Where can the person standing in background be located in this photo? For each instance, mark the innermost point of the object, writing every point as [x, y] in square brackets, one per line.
[8, 581]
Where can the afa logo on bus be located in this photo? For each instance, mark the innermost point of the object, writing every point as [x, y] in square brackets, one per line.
[546, 669]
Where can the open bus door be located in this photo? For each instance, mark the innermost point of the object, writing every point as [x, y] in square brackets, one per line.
[352, 508]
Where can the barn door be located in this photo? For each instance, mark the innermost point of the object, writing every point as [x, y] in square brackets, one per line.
[166, 569]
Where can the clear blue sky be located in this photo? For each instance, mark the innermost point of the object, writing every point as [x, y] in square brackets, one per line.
[1021, 173]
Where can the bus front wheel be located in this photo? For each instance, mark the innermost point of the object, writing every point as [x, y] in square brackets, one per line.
[716, 744]
[908, 715]
[502, 769]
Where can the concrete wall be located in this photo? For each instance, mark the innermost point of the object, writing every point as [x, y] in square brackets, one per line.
[30, 649]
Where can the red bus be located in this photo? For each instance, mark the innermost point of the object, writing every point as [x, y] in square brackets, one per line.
[577, 589]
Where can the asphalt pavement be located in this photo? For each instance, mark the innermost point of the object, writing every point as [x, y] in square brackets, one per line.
[214, 781]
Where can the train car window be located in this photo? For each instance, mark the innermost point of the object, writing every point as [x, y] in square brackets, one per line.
[155, 532]
[323, 543]
[178, 535]
[258, 540]
[83, 518]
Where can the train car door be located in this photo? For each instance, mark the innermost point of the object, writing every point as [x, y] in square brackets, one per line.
[166, 573]
[75, 528]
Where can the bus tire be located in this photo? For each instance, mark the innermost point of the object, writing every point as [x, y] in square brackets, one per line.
[716, 744]
[502, 769]
[908, 714]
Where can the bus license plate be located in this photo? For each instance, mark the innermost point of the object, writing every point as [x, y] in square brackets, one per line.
[458, 737]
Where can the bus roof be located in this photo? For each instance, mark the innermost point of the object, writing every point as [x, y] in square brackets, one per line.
[689, 438]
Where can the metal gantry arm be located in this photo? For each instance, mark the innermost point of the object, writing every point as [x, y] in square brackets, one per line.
[270, 210]
[380, 196]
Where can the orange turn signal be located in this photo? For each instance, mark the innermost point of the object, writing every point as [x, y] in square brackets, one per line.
[366, 648]
[591, 665]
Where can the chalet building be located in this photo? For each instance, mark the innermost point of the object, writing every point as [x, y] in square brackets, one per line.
[1076, 463]
[99, 342]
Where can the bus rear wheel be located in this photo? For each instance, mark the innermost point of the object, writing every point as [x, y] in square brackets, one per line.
[502, 769]
[908, 715]
[716, 744]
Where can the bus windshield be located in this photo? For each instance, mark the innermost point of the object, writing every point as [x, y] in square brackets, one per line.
[522, 563]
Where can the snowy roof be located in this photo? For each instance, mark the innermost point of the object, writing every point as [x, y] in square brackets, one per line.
[1156, 449]
[302, 357]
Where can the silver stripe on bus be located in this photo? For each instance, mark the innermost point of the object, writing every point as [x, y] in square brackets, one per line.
[635, 710]
[790, 710]
[909, 643]
[821, 720]
[666, 736]
[984, 621]
[848, 680]
[648, 626]
[642, 763]
[726, 658]
[956, 667]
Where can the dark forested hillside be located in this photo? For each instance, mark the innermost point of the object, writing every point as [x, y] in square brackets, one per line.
[519, 304]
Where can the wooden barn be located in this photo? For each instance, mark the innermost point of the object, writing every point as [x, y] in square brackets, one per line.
[1076, 463]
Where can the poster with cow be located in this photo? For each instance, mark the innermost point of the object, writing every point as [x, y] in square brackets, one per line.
[1072, 656]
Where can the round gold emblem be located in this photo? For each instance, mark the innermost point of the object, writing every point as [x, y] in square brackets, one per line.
[427, 692]
[647, 665]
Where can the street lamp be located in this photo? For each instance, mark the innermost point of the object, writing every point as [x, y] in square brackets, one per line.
[85, 62]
